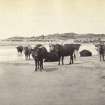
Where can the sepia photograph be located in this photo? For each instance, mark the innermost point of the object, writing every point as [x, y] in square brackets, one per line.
[52, 52]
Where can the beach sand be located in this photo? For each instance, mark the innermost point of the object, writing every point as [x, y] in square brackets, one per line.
[82, 83]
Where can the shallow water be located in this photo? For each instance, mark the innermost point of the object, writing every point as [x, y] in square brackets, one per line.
[9, 53]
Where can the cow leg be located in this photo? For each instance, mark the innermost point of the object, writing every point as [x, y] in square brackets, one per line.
[26, 57]
[21, 52]
[62, 60]
[36, 65]
[101, 57]
[29, 57]
[59, 61]
[40, 65]
[71, 59]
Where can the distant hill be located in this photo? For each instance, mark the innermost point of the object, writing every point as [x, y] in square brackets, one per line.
[63, 36]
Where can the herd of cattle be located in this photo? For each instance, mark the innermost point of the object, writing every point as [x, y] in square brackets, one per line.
[57, 53]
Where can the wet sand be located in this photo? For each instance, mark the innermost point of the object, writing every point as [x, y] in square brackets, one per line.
[82, 83]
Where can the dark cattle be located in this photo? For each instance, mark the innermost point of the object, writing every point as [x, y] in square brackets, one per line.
[65, 50]
[19, 49]
[52, 57]
[101, 52]
[27, 52]
[85, 53]
[39, 53]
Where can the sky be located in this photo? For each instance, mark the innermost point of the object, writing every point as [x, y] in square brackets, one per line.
[36, 17]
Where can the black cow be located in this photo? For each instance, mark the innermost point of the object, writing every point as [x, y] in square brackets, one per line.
[19, 49]
[65, 50]
[39, 53]
[52, 57]
[27, 52]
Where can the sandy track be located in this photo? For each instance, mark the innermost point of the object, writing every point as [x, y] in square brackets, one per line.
[79, 84]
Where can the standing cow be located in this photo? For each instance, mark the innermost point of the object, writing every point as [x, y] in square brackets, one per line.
[65, 50]
[27, 52]
[39, 53]
[19, 49]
